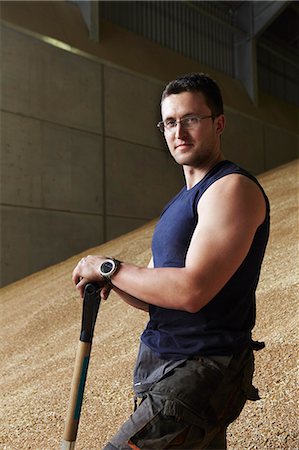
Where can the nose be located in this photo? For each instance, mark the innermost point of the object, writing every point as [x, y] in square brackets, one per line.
[180, 131]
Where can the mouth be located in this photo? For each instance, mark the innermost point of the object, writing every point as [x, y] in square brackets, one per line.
[183, 146]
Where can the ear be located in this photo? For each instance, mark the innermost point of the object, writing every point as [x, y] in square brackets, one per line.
[220, 124]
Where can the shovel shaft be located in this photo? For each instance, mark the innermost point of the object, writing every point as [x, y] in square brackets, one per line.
[91, 304]
[77, 389]
[67, 445]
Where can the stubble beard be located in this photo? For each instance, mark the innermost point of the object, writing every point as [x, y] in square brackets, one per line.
[196, 158]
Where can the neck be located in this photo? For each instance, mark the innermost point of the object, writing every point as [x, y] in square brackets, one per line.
[195, 174]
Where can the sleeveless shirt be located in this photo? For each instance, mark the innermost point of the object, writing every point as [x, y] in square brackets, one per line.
[224, 325]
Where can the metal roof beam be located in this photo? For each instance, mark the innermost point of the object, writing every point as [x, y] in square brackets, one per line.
[245, 51]
[264, 13]
[90, 12]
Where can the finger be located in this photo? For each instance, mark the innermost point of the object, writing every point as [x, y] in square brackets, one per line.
[76, 279]
[75, 275]
[81, 285]
[77, 272]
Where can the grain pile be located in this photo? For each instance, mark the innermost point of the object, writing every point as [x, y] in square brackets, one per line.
[40, 322]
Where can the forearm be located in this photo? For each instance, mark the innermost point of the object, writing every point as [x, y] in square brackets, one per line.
[130, 300]
[165, 287]
[186, 288]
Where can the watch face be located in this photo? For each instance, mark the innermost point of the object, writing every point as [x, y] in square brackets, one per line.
[107, 266]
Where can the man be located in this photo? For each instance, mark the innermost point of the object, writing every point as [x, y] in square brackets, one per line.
[194, 368]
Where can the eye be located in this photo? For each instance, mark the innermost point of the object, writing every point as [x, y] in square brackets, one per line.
[170, 123]
[191, 120]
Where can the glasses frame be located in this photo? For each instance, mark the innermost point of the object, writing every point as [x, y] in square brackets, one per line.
[163, 128]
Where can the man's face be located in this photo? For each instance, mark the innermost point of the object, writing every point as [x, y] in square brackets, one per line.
[199, 144]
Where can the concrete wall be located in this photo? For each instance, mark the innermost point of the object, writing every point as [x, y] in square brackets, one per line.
[82, 160]
[80, 163]
[256, 144]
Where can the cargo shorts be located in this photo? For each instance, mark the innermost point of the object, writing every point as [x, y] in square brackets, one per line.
[190, 406]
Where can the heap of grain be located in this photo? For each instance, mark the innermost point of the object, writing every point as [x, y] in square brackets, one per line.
[40, 323]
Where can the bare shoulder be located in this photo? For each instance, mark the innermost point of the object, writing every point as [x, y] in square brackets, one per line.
[235, 194]
[237, 183]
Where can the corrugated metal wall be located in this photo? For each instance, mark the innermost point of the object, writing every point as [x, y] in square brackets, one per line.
[204, 32]
[179, 26]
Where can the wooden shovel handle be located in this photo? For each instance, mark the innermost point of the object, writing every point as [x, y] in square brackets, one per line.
[91, 303]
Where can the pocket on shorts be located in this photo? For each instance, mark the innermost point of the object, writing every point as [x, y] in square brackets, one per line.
[171, 421]
[192, 383]
[180, 405]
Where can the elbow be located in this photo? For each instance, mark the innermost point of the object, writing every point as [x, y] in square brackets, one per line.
[195, 301]
[193, 292]
[192, 308]
[192, 304]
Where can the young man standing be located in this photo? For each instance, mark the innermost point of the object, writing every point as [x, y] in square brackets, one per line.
[194, 369]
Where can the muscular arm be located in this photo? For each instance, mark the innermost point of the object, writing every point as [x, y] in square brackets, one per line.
[229, 213]
[129, 299]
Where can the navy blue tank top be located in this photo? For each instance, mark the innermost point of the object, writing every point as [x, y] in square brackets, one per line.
[224, 325]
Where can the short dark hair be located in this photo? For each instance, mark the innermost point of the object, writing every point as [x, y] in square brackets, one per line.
[197, 82]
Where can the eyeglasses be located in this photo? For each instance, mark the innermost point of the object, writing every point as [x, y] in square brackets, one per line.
[186, 122]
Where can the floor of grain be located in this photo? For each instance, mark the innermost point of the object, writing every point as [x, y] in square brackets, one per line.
[40, 322]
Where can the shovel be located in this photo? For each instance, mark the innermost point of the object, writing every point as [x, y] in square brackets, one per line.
[91, 303]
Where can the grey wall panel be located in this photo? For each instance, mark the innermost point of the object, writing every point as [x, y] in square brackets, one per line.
[33, 238]
[139, 180]
[49, 166]
[42, 81]
[243, 142]
[256, 145]
[116, 226]
[72, 170]
[21, 160]
[278, 75]
[15, 244]
[280, 146]
[126, 95]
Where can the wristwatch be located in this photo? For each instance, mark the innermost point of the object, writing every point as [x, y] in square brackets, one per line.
[108, 267]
